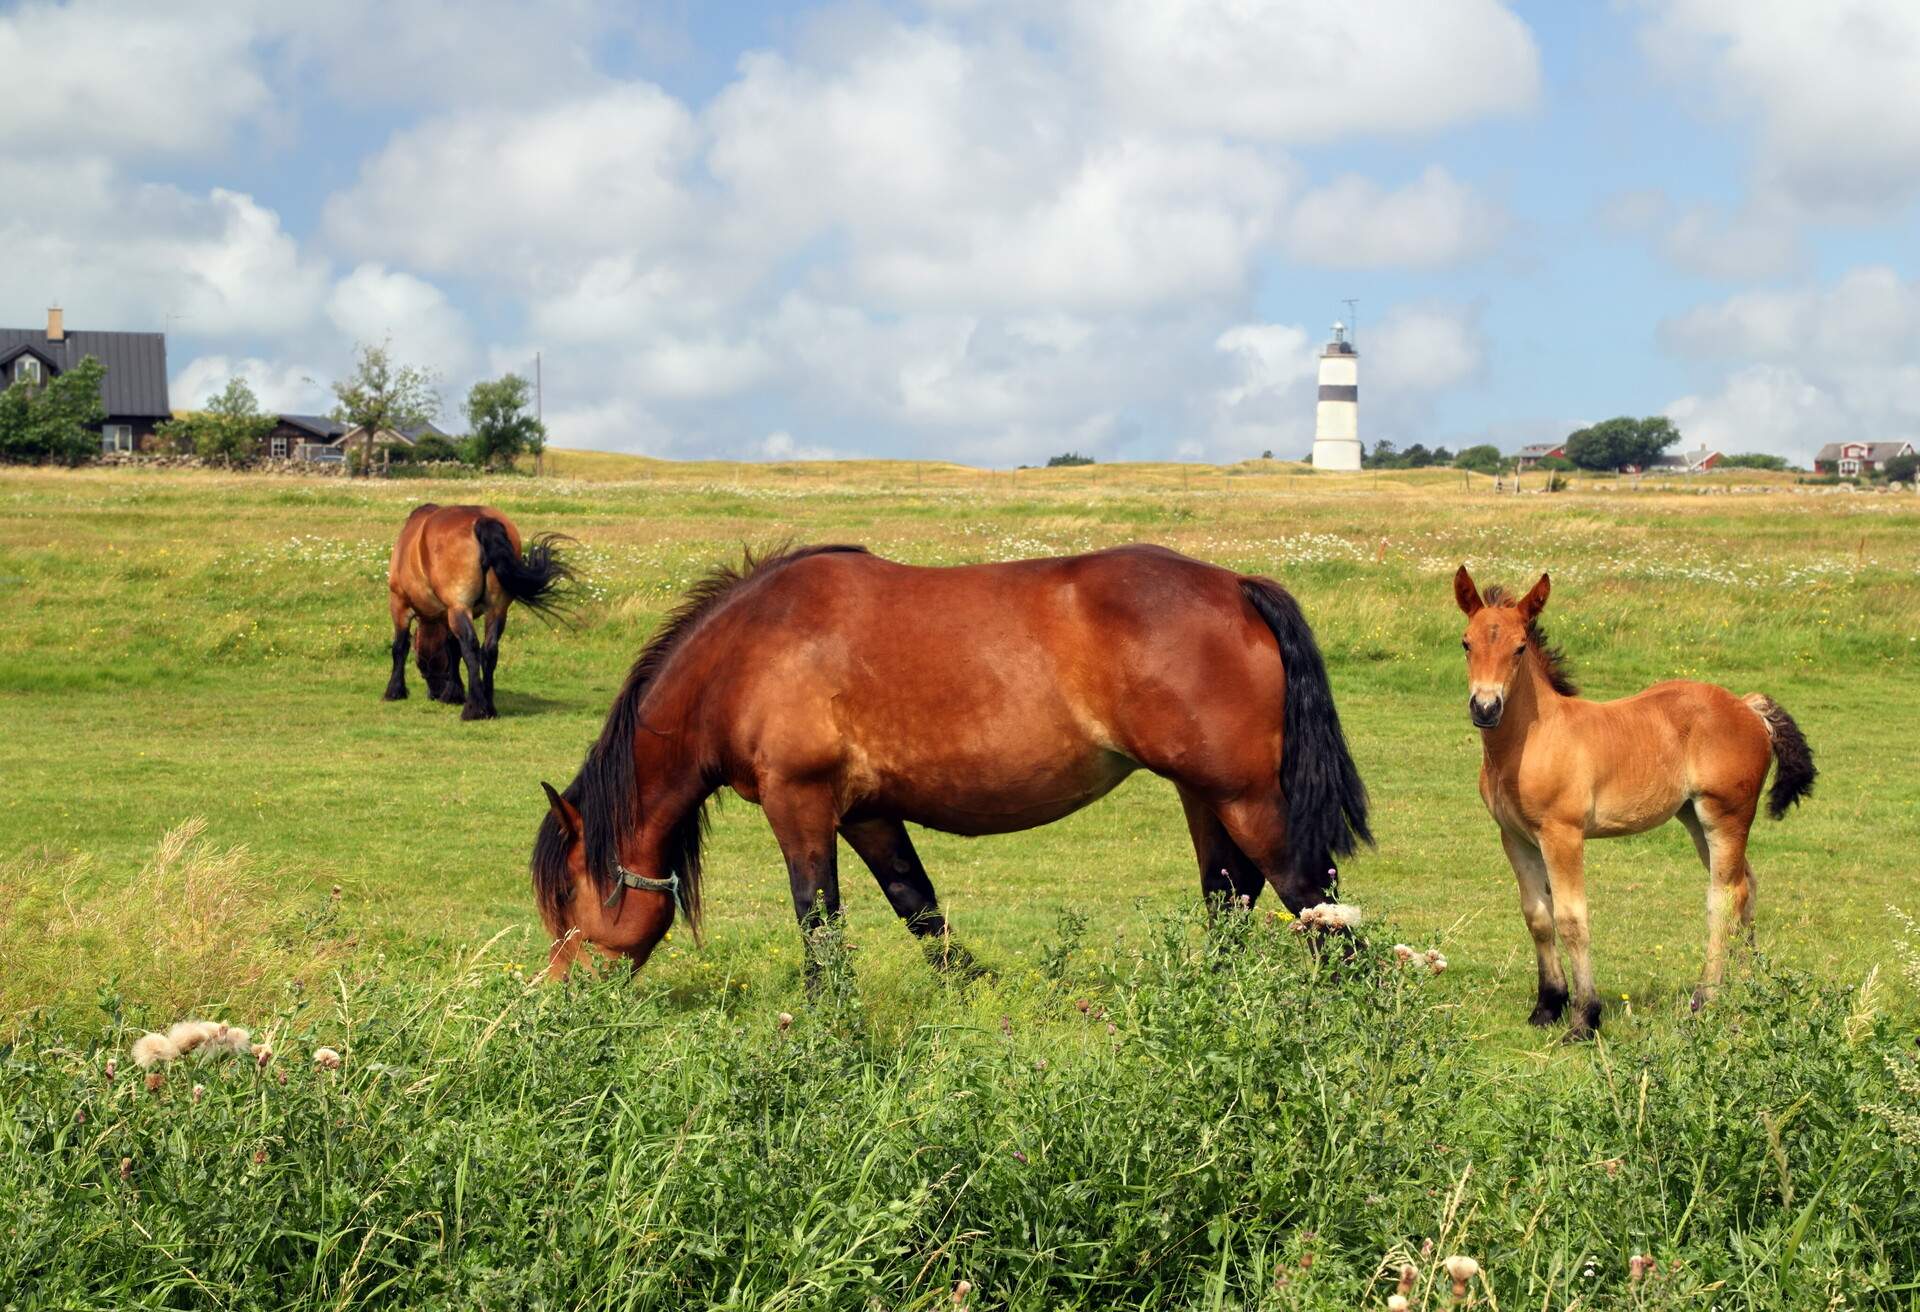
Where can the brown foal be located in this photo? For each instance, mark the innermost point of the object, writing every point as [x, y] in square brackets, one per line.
[449, 564]
[1558, 770]
[849, 695]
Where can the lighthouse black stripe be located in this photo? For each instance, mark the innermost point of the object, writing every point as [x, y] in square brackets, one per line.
[1339, 392]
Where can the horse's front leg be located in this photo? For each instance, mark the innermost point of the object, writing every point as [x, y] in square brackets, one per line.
[1536, 906]
[1564, 848]
[490, 650]
[477, 707]
[805, 823]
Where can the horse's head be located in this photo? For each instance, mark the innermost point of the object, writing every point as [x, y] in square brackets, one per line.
[1496, 642]
[631, 922]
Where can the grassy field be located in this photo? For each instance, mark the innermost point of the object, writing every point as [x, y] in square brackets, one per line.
[188, 646]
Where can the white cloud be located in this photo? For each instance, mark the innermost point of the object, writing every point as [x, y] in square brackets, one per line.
[780, 445]
[1833, 87]
[280, 387]
[373, 304]
[1806, 366]
[1354, 223]
[512, 194]
[1307, 71]
[124, 79]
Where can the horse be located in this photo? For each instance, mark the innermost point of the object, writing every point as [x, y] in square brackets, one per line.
[449, 563]
[850, 695]
[1557, 770]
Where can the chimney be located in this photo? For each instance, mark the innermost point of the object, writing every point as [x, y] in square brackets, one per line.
[56, 324]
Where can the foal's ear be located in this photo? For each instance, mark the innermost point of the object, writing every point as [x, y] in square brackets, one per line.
[1465, 593]
[1535, 601]
[563, 811]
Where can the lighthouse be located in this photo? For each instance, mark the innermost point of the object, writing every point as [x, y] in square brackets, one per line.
[1336, 427]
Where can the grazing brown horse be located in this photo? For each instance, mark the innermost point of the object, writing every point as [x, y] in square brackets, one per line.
[451, 563]
[847, 694]
[1558, 770]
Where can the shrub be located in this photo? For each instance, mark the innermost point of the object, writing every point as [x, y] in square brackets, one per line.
[1069, 458]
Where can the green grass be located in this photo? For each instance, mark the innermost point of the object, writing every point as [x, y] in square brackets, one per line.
[194, 645]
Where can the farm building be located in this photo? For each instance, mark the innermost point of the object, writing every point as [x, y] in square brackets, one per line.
[1529, 456]
[326, 441]
[1846, 458]
[134, 390]
[1682, 462]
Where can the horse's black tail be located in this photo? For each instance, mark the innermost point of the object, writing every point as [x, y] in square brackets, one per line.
[1793, 772]
[536, 578]
[1326, 802]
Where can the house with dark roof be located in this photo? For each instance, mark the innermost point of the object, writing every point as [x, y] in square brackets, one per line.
[1529, 456]
[134, 390]
[1849, 458]
[325, 440]
[1684, 462]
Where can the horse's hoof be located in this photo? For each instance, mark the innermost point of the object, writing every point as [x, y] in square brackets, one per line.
[1580, 1034]
[476, 713]
[394, 695]
[1699, 998]
[1543, 1016]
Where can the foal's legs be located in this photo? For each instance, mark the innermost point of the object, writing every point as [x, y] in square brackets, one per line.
[478, 705]
[1720, 832]
[402, 639]
[804, 820]
[1536, 905]
[1564, 847]
[1226, 874]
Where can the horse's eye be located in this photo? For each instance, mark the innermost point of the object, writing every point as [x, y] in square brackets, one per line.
[1466, 646]
[1520, 649]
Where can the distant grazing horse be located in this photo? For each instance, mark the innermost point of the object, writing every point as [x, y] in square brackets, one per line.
[450, 563]
[1558, 770]
[847, 694]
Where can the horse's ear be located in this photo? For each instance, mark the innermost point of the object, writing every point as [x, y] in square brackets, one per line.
[1536, 600]
[1465, 593]
[563, 811]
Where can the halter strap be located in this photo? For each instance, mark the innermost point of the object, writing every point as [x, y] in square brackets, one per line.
[626, 879]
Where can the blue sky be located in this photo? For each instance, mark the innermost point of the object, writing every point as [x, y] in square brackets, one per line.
[992, 230]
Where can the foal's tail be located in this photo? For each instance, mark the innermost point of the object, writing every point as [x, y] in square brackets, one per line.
[1326, 802]
[1793, 772]
[536, 578]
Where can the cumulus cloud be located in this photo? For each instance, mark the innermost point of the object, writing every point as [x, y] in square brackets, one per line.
[374, 304]
[1834, 89]
[1355, 223]
[509, 193]
[1804, 366]
[279, 386]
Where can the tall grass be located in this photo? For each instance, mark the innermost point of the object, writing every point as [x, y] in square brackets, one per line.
[1219, 1117]
[198, 925]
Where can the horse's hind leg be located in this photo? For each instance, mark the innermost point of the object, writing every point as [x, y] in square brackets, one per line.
[490, 649]
[402, 640]
[888, 853]
[1536, 906]
[1226, 873]
[1722, 830]
[476, 707]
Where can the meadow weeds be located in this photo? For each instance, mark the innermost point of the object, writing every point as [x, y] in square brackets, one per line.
[1226, 1114]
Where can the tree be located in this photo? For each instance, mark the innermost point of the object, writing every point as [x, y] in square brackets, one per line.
[55, 420]
[500, 417]
[381, 395]
[1069, 458]
[1615, 443]
[1753, 460]
[1900, 469]
[1482, 459]
[229, 430]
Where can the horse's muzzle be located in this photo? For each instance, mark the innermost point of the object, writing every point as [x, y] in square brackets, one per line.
[1485, 715]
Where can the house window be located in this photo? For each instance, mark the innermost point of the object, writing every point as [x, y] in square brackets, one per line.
[26, 370]
[279, 448]
[1849, 466]
[116, 437]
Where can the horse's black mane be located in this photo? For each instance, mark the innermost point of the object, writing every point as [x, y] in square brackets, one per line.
[605, 791]
[1552, 659]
